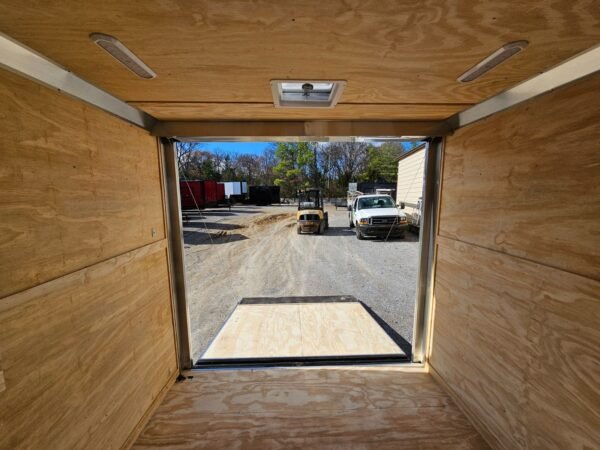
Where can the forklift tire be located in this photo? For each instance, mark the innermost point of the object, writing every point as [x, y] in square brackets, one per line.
[322, 227]
[359, 235]
[326, 221]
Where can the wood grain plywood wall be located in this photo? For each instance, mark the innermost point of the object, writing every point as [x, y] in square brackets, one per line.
[527, 182]
[86, 333]
[517, 290]
[76, 186]
[85, 355]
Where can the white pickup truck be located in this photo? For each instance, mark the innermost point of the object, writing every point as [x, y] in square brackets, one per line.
[376, 215]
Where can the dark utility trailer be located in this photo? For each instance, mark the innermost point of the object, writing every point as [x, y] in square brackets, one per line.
[264, 195]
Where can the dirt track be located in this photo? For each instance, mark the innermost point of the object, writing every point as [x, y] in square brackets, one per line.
[255, 251]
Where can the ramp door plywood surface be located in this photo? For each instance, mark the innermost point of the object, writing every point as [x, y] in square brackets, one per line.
[301, 329]
[315, 408]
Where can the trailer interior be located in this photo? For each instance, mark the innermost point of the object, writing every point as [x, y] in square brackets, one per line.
[94, 325]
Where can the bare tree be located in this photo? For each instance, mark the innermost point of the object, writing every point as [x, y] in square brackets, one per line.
[345, 161]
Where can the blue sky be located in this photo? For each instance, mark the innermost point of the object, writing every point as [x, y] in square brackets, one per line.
[254, 148]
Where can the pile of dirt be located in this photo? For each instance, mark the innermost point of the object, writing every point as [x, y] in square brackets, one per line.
[273, 218]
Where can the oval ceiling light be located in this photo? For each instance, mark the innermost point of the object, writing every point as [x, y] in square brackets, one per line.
[499, 56]
[117, 50]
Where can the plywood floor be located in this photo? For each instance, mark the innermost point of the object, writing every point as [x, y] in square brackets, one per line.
[321, 408]
[300, 329]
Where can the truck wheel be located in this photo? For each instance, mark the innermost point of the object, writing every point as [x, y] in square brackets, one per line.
[359, 235]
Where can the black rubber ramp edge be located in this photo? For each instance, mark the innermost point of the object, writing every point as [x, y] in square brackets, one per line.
[307, 299]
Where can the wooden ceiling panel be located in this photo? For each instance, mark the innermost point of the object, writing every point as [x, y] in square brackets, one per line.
[266, 111]
[389, 51]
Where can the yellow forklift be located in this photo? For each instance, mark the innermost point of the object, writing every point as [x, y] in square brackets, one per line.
[311, 216]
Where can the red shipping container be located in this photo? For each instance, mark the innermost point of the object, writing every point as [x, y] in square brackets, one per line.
[220, 193]
[192, 194]
[210, 192]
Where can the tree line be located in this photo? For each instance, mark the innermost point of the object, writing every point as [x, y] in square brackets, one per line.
[293, 165]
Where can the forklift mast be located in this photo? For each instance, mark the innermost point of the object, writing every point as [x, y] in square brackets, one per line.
[309, 199]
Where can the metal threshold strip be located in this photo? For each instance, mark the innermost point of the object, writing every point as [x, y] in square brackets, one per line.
[304, 361]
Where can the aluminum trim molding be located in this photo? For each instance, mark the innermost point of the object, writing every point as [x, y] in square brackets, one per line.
[427, 241]
[579, 66]
[304, 129]
[26, 62]
[176, 254]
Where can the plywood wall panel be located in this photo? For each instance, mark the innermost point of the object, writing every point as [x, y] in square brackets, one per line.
[518, 343]
[86, 328]
[77, 186]
[85, 355]
[517, 290]
[526, 181]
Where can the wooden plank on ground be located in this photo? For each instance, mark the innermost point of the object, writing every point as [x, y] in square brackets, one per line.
[300, 329]
[258, 330]
[342, 329]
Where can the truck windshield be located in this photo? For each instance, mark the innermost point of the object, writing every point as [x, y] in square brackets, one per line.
[376, 202]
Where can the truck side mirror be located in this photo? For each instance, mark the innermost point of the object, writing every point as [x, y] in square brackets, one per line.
[402, 205]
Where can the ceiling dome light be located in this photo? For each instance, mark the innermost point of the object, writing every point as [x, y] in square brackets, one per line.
[117, 50]
[306, 93]
[499, 56]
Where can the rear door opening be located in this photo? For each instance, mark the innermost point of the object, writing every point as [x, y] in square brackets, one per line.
[316, 272]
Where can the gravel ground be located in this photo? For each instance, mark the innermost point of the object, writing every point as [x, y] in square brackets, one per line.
[254, 251]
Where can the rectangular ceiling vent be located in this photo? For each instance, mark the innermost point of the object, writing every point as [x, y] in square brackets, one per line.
[306, 93]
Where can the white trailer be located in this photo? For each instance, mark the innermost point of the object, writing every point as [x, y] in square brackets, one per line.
[409, 191]
[232, 188]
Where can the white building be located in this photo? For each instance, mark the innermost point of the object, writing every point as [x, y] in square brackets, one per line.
[411, 173]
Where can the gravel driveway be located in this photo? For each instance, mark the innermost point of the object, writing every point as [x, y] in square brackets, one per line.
[254, 251]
